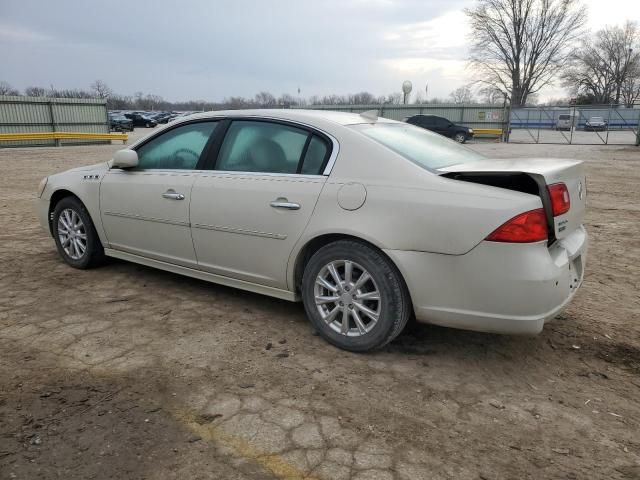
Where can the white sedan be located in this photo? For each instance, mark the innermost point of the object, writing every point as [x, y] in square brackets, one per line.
[367, 221]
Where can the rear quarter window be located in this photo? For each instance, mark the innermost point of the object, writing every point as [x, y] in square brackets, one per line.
[422, 147]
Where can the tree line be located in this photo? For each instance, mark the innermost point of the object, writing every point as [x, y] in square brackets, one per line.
[142, 101]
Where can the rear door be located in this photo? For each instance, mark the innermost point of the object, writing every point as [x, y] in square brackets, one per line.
[250, 210]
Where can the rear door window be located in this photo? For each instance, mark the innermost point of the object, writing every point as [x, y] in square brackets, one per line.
[262, 147]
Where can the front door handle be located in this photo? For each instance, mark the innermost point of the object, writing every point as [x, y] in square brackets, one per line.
[171, 194]
[282, 202]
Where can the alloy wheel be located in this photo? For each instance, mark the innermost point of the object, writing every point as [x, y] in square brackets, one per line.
[347, 298]
[72, 234]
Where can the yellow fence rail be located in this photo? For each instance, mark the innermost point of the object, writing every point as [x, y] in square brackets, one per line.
[14, 137]
[488, 131]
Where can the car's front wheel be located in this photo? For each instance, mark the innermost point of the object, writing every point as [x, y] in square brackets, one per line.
[355, 296]
[75, 235]
[460, 137]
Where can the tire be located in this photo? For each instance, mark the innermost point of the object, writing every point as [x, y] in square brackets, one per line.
[460, 137]
[93, 254]
[393, 306]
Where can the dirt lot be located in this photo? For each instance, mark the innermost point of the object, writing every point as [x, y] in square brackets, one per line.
[128, 372]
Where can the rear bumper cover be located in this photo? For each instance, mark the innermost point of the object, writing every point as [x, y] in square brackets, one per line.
[496, 287]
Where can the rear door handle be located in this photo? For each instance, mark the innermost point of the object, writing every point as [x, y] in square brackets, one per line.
[285, 204]
[171, 194]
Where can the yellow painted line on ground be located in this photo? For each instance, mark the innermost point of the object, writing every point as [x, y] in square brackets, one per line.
[271, 462]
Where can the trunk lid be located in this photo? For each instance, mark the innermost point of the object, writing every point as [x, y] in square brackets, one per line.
[544, 171]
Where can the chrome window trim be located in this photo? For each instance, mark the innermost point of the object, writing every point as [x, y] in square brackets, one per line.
[220, 173]
[184, 171]
[327, 169]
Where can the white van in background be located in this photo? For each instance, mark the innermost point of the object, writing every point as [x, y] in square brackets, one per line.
[566, 121]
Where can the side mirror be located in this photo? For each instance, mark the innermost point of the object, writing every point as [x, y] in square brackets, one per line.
[125, 159]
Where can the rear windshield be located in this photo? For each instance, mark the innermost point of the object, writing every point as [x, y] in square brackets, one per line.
[424, 148]
[564, 117]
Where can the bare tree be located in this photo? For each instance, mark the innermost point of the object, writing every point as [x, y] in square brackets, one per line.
[7, 89]
[68, 93]
[394, 98]
[519, 46]
[462, 95]
[491, 94]
[101, 89]
[601, 67]
[631, 87]
[35, 92]
[265, 100]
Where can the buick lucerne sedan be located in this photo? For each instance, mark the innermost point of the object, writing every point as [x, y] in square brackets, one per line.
[367, 221]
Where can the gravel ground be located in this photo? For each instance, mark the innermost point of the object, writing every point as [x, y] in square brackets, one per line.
[128, 372]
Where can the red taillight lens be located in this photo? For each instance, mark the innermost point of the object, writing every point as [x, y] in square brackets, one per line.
[527, 227]
[560, 201]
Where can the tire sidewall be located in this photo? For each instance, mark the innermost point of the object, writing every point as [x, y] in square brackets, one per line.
[94, 247]
[385, 278]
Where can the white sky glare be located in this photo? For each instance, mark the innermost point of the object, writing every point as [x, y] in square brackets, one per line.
[201, 49]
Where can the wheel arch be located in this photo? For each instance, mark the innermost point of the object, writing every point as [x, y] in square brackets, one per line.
[316, 243]
[55, 199]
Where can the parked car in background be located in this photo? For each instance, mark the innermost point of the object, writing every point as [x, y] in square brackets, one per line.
[441, 125]
[120, 123]
[140, 120]
[367, 221]
[164, 117]
[565, 121]
[595, 124]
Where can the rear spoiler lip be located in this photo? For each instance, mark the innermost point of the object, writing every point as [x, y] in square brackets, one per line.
[542, 192]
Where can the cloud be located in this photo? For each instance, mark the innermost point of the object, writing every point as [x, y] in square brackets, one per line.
[16, 34]
[211, 50]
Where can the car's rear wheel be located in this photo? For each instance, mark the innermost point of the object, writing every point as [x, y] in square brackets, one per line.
[355, 296]
[75, 235]
[460, 137]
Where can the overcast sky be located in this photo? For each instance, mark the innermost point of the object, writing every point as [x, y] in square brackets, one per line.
[211, 49]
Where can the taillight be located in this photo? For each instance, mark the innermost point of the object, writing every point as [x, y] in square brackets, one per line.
[560, 201]
[527, 227]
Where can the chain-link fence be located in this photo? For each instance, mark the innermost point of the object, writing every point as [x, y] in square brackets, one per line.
[569, 124]
[575, 124]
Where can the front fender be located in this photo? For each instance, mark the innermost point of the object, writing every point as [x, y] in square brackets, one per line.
[83, 183]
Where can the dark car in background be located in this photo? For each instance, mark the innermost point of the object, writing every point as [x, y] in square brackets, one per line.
[140, 120]
[120, 123]
[441, 125]
[163, 117]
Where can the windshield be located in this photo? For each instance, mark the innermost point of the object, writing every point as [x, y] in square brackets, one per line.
[424, 148]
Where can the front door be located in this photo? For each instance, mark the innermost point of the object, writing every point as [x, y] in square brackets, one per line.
[248, 213]
[145, 210]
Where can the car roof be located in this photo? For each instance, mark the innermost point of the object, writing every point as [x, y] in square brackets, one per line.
[300, 115]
